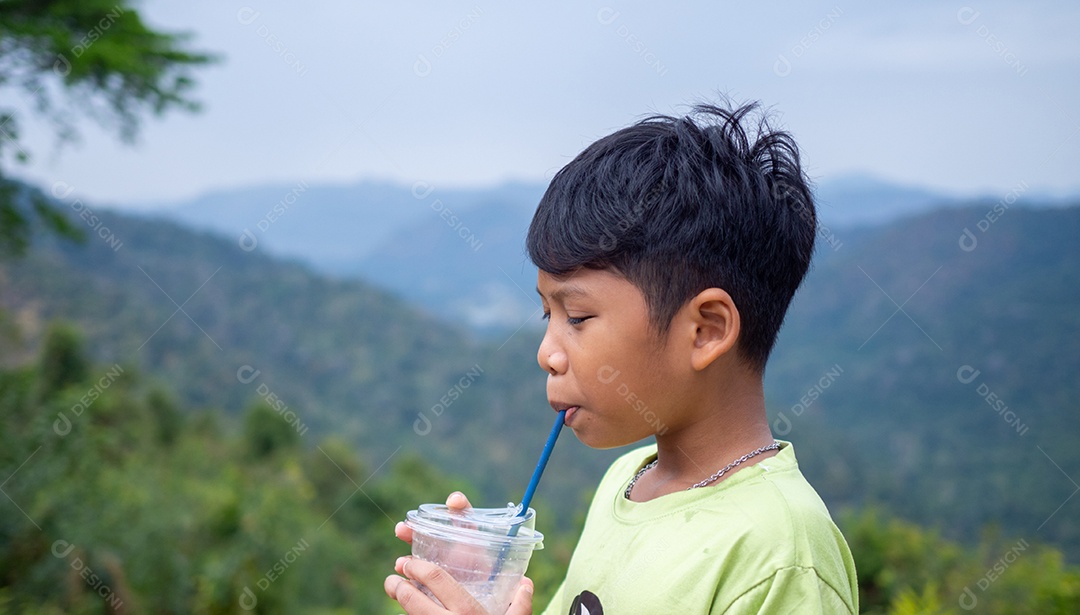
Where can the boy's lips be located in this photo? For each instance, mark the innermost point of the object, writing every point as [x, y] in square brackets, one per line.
[570, 411]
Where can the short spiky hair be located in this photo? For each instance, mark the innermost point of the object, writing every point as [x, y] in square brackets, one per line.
[678, 205]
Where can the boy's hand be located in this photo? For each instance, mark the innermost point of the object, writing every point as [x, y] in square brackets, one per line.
[456, 500]
[457, 601]
[449, 591]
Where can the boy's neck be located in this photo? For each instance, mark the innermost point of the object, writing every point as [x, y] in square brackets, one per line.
[710, 436]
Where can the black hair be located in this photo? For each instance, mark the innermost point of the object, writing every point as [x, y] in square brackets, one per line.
[680, 204]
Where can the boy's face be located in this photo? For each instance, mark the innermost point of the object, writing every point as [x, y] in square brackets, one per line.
[604, 360]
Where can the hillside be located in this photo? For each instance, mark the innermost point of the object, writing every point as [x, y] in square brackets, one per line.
[457, 253]
[871, 397]
[960, 409]
[342, 356]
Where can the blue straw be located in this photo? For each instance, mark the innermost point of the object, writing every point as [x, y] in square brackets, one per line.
[540, 465]
[531, 489]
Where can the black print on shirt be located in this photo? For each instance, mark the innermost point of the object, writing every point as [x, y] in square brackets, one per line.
[586, 603]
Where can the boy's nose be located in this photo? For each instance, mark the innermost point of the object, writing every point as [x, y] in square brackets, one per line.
[551, 359]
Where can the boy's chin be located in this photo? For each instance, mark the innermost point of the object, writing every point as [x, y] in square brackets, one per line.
[604, 441]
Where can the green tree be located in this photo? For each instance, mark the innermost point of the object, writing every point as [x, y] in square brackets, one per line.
[266, 432]
[63, 359]
[88, 57]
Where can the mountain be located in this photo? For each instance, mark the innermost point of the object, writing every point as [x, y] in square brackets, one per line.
[482, 278]
[303, 220]
[917, 369]
[862, 200]
[225, 327]
[473, 269]
[937, 374]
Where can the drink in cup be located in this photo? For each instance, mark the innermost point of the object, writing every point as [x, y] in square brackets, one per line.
[486, 550]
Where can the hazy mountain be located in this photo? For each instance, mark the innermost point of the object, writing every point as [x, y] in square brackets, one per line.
[305, 220]
[918, 368]
[473, 269]
[862, 200]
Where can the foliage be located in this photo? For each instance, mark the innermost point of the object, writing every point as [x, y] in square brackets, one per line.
[63, 361]
[195, 523]
[106, 62]
[105, 517]
[343, 357]
[908, 570]
[896, 427]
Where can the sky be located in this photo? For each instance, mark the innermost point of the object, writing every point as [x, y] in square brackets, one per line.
[962, 97]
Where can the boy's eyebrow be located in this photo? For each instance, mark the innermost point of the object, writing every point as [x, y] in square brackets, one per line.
[568, 290]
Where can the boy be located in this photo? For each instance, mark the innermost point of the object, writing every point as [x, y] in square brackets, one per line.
[668, 253]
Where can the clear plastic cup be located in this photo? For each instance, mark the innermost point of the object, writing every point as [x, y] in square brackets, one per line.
[486, 550]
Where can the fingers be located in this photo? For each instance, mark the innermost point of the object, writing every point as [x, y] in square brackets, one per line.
[403, 532]
[455, 500]
[438, 582]
[522, 604]
[458, 500]
[411, 599]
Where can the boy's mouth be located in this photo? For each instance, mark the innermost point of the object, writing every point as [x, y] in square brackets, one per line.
[570, 411]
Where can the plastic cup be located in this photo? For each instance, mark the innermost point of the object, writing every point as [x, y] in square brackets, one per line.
[479, 547]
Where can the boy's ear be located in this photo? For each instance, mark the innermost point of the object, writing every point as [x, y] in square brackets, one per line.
[716, 323]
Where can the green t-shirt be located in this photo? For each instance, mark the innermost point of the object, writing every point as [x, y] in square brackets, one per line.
[760, 541]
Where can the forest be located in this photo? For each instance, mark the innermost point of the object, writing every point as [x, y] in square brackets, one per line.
[255, 455]
[137, 504]
[189, 424]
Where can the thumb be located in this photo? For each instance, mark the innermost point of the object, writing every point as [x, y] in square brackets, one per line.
[522, 604]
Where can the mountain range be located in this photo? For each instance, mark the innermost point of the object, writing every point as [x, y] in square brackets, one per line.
[927, 365]
[458, 253]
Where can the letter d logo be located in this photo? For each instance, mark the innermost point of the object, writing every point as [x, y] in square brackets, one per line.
[967, 16]
[62, 425]
[422, 66]
[966, 374]
[422, 425]
[968, 599]
[782, 67]
[782, 425]
[607, 374]
[62, 544]
[247, 15]
[968, 241]
[248, 599]
[248, 241]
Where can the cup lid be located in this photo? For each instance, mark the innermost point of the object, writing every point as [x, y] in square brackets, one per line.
[479, 526]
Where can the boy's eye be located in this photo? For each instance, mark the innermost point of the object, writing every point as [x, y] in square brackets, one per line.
[577, 321]
[546, 316]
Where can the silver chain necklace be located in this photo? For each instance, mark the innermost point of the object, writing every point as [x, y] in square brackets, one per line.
[772, 447]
